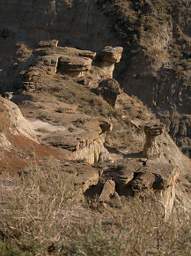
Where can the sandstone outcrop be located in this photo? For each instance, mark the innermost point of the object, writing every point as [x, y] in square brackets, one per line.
[107, 59]
[74, 66]
[169, 193]
[151, 148]
[90, 147]
[78, 122]
[49, 59]
[50, 43]
[13, 122]
[132, 179]
[53, 77]
[19, 145]
[107, 191]
[157, 60]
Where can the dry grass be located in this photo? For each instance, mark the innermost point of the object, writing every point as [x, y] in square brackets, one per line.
[40, 215]
[87, 101]
[37, 208]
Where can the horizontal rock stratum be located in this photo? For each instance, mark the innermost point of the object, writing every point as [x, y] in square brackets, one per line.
[76, 113]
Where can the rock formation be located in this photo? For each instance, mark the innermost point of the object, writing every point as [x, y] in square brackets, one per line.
[109, 89]
[56, 79]
[157, 60]
[169, 193]
[84, 114]
[151, 148]
[90, 148]
[107, 191]
[107, 59]
[19, 144]
[13, 121]
[51, 59]
[75, 66]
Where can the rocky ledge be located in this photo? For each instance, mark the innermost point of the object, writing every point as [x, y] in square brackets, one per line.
[77, 113]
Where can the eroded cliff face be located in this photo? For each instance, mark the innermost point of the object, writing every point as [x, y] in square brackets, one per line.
[80, 116]
[60, 88]
[155, 36]
[79, 23]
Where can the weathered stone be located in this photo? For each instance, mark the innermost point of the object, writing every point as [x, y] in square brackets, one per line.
[151, 148]
[51, 43]
[90, 145]
[142, 181]
[87, 54]
[74, 66]
[12, 121]
[109, 89]
[169, 192]
[110, 55]
[86, 178]
[107, 192]
[107, 59]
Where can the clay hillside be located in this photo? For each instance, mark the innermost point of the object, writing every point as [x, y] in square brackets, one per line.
[95, 128]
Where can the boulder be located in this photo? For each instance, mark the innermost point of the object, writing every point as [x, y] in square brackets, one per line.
[109, 89]
[107, 191]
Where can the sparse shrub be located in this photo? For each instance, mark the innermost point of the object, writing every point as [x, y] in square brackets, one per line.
[41, 215]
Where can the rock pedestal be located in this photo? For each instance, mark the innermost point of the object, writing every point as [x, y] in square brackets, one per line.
[151, 148]
[107, 59]
[111, 55]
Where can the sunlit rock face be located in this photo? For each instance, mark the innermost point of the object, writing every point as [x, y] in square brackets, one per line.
[90, 145]
[49, 59]
[154, 59]
[13, 122]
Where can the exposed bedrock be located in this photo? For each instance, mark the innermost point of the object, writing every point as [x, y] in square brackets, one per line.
[156, 61]
[49, 59]
[151, 148]
[132, 179]
[107, 59]
[13, 122]
[90, 146]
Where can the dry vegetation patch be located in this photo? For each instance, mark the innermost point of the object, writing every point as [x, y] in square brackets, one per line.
[40, 216]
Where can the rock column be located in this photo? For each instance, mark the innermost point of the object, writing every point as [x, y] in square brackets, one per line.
[151, 148]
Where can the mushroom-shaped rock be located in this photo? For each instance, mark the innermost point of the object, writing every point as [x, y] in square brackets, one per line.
[74, 66]
[106, 60]
[109, 89]
[110, 55]
[151, 148]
